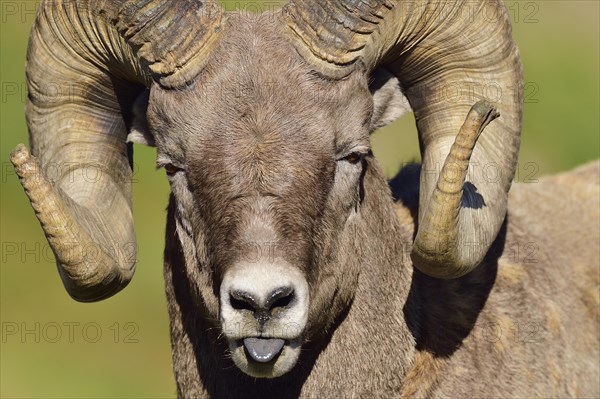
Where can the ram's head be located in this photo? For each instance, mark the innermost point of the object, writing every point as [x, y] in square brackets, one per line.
[262, 124]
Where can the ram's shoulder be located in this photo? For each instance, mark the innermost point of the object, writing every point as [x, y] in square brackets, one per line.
[585, 177]
[554, 222]
[576, 191]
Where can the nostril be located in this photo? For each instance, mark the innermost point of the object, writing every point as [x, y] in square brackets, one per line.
[281, 298]
[283, 301]
[241, 300]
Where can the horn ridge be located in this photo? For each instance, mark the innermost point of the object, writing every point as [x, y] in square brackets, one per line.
[172, 37]
[333, 32]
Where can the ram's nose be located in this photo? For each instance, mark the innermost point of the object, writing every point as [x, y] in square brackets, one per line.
[263, 300]
[263, 305]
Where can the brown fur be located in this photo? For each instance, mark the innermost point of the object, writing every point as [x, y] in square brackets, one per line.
[516, 344]
[257, 142]
[523, 323]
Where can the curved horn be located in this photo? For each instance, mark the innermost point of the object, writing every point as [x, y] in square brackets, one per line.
[447, 55]
[87, 61]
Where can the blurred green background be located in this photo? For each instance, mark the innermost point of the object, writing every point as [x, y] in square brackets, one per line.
[54, 347]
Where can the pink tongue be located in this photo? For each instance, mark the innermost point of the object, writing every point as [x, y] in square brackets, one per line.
[263, 350]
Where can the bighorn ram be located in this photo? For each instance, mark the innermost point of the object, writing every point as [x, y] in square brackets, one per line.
[287, 264]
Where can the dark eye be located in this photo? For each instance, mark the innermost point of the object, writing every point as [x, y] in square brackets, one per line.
[171, 169]
[353, 157]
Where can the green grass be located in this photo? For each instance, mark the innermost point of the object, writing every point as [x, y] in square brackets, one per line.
[561, 130]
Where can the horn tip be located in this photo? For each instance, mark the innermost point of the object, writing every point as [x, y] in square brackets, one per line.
[20, 155]
[485, 110]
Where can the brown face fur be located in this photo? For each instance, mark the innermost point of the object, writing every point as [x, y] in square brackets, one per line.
[262, 168]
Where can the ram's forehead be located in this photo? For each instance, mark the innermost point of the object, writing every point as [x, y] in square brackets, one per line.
[261, 90]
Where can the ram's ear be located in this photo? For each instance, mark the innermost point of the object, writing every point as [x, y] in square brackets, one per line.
[139, 131]
[389, 103]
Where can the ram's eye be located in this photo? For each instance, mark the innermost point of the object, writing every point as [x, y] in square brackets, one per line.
[353, 157]
[171, 169]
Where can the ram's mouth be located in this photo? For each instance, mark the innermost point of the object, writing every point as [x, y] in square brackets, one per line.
[264, 357]
[263, 350]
